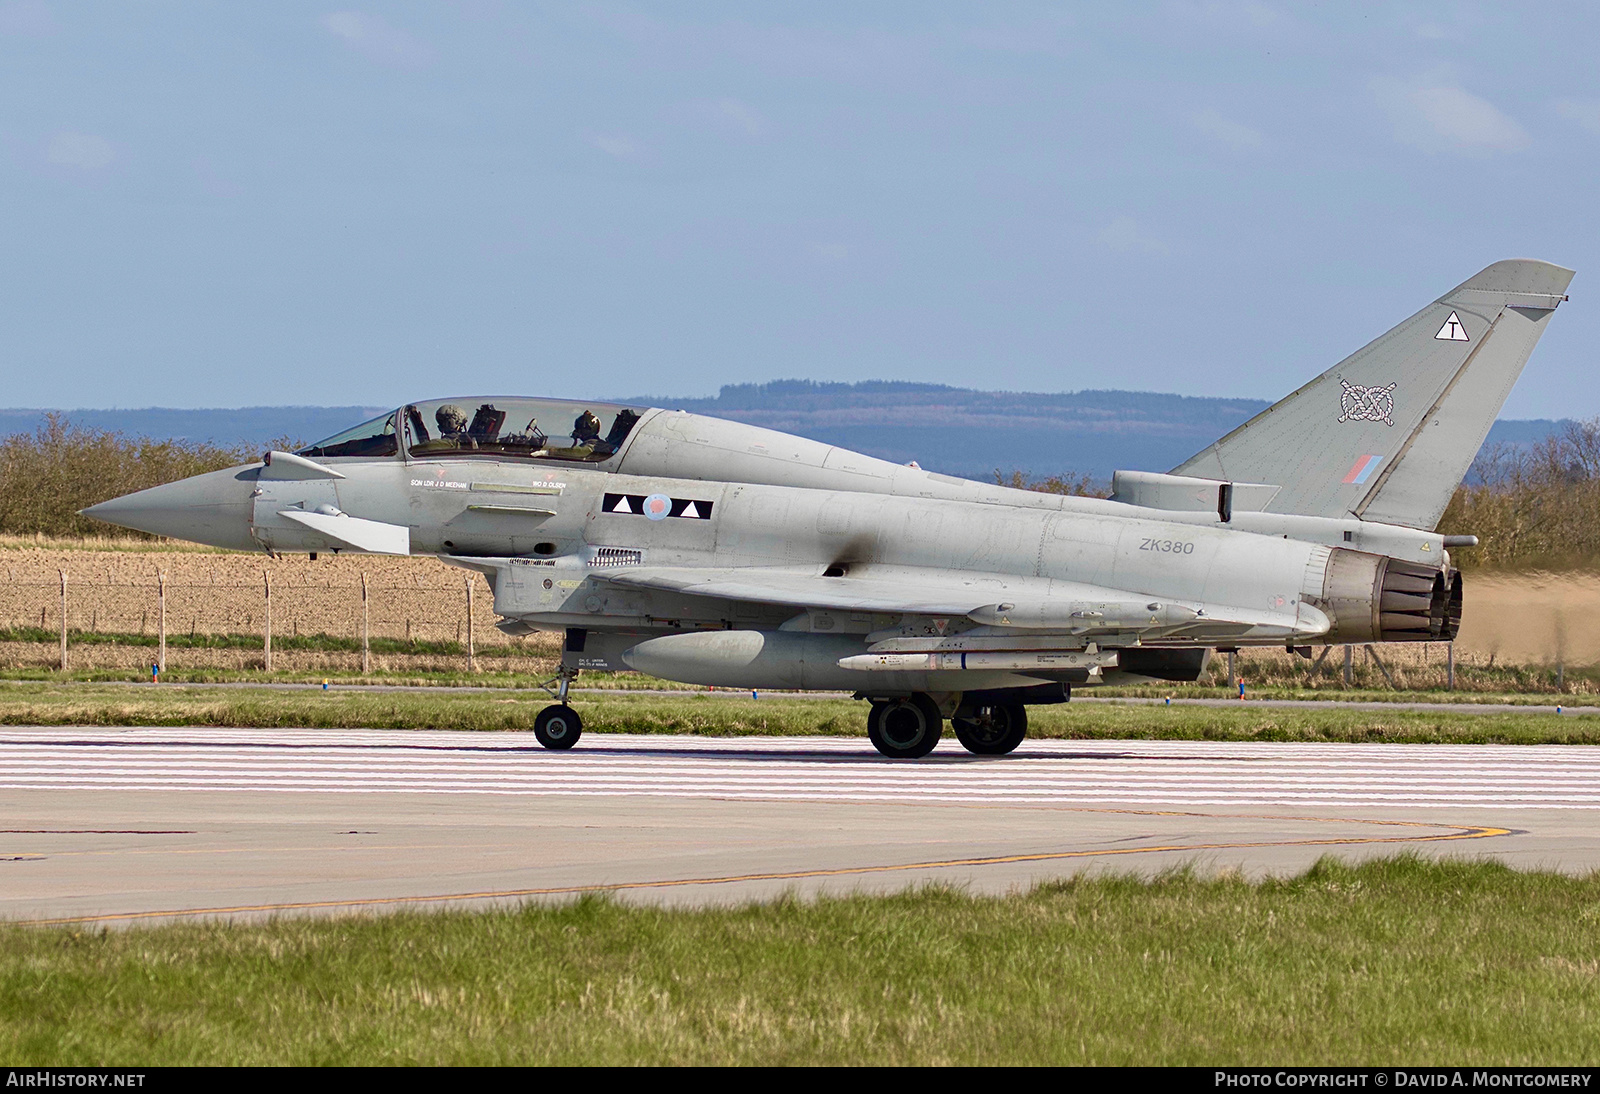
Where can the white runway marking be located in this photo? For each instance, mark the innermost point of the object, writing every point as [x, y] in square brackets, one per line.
[1135, 773]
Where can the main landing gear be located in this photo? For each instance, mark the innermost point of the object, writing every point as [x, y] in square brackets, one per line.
[558, 725]
[905, 729]
[991, 730]
[909, 728]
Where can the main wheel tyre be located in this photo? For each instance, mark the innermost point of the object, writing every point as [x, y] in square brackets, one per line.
[558, 726]
[905, 729]
[992, 730]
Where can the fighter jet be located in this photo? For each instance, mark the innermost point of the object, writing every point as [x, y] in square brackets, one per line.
[716, 553]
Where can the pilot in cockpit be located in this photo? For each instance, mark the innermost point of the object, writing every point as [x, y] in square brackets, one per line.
[452, 420]
[586, 430]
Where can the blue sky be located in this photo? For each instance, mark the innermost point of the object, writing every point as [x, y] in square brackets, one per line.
[230, 204]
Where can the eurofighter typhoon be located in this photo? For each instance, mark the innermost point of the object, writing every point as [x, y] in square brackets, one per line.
[716, 553]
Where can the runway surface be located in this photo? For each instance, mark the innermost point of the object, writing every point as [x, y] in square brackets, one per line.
[128, 825]
[1585, 704]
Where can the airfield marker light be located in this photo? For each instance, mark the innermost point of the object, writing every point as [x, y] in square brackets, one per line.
[753, 694]
[324, 685]
[155, 674]
[1241, 689]
[1169, 700]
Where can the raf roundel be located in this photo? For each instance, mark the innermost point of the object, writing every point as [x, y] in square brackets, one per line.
[658, 507]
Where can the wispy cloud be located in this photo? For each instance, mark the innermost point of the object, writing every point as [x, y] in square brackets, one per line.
[1052, 36]
[1229, 132]
[623, 148]
[84, 151]
[1225, 12]
[1440, 116]
[735, 115]
[828, 252]
[1128, 236]
[850, 53]
[1586, 112]
[27, 17]
[377, 39]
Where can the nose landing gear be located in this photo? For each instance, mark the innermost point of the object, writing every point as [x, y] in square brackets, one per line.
[558, 725]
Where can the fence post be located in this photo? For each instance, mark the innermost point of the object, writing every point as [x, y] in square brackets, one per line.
[366, 645]
[63, 574]
[1372, 654]
[472, 659]
[1450, 666]
[1349, 665]
[1233, 677]
[266, 579]
[161, 621]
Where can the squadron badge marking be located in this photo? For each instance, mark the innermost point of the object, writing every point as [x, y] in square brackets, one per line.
[1366, 404]
[655, 506]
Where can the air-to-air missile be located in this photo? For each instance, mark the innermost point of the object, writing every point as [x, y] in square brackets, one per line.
[716, 553]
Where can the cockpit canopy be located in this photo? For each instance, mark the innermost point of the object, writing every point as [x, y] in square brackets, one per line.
[535, 429]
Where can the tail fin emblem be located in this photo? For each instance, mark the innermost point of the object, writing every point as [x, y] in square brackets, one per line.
[1366, 404]
[1452, 331]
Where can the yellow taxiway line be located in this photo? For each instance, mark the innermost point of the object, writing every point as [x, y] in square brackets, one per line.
[1461, 832]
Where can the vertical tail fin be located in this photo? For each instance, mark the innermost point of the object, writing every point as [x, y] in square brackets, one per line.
[1388, 433]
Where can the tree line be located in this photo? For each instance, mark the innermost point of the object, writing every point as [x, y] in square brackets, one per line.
[48, 475]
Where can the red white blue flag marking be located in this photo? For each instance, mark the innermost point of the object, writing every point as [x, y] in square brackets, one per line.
[1362, 469]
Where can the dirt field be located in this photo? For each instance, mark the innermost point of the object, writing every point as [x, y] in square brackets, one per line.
[216, 593]
[1534, 619]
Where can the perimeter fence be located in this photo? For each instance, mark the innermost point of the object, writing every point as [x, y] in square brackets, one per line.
[437, 619]
[294, 619]
[349, 614]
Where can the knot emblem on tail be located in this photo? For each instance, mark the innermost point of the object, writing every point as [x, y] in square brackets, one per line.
[1366, 404]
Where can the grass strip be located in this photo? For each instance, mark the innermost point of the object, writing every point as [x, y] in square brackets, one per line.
[1396, 961]
[723, 715]
[417, 664]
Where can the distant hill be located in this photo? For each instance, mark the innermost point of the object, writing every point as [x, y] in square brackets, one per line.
[976, 433]
[251, 426]
[953, 430]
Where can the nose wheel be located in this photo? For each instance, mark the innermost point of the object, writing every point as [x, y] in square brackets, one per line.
[558, 725]
[905, 729]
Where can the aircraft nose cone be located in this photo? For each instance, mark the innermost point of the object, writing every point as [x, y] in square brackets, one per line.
[213, 508]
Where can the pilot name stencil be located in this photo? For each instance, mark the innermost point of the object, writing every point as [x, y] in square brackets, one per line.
[1366, 404]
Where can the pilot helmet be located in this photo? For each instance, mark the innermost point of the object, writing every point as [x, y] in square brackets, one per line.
[451, 419]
